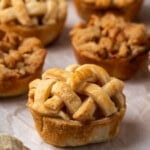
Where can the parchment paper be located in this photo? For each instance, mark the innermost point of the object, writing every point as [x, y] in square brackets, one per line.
[15, 118]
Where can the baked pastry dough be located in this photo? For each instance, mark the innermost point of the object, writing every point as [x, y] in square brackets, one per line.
[21, 60]
[126, 8]
[120, 47]
[8, 142]
[43, 19]
[76, 106]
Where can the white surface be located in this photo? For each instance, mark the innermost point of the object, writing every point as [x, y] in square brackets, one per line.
[134, 134]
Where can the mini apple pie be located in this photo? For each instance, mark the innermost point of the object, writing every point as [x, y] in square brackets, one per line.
[120, 47]
[43, 19]
[21, 60]
[76, 106]
[126, 8]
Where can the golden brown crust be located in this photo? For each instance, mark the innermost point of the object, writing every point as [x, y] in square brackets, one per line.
[43, 20]
[121, 68]
[120, 47]
[17, 86]
[76, 106]
[72, 133]
[46, 33]
[127, 9]
[18, 63]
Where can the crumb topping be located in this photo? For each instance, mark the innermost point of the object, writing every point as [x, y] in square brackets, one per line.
[19, 57]
[109, 37]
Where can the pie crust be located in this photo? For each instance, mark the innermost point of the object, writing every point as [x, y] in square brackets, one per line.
[126, 8]
[76, 106]
[120, 47]
[21, 61]
[39, 18]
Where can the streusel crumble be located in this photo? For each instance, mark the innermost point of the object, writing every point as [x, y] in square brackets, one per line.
[20, 59]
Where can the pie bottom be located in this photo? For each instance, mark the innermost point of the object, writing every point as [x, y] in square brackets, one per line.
[17, 86]
[122, 68]
[46, 33]
[85, 11]
[71, 133]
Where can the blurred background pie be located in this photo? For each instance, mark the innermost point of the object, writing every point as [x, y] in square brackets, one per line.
[43, 19]
[21, 61]
[119, 46]
[125, 8]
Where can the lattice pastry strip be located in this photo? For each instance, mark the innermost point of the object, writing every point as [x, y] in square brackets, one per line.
[101, 97]
[85, 73]
[56, 73]
[54, 103]
[21, 12]
[60, 94]
[51, 14]
[42, 93]
[48, 106]
[86, 111]
[67, 95]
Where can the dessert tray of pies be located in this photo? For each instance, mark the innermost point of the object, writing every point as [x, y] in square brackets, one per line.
[74, 74]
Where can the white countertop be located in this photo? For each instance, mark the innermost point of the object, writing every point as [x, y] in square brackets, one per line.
[15, 118]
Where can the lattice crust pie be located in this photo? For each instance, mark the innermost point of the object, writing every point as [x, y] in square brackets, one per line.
[41, 18]
[120, 47]
[76, 106]
[21, 61]
[126, 8]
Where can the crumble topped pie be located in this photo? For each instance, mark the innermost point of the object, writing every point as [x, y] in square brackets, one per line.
[126, 8]
[119, 46]
[76, 106]
[32, 16]
[21, 61]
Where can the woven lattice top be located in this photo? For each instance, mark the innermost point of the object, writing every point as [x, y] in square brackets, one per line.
[32, 12]
[80, 93]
